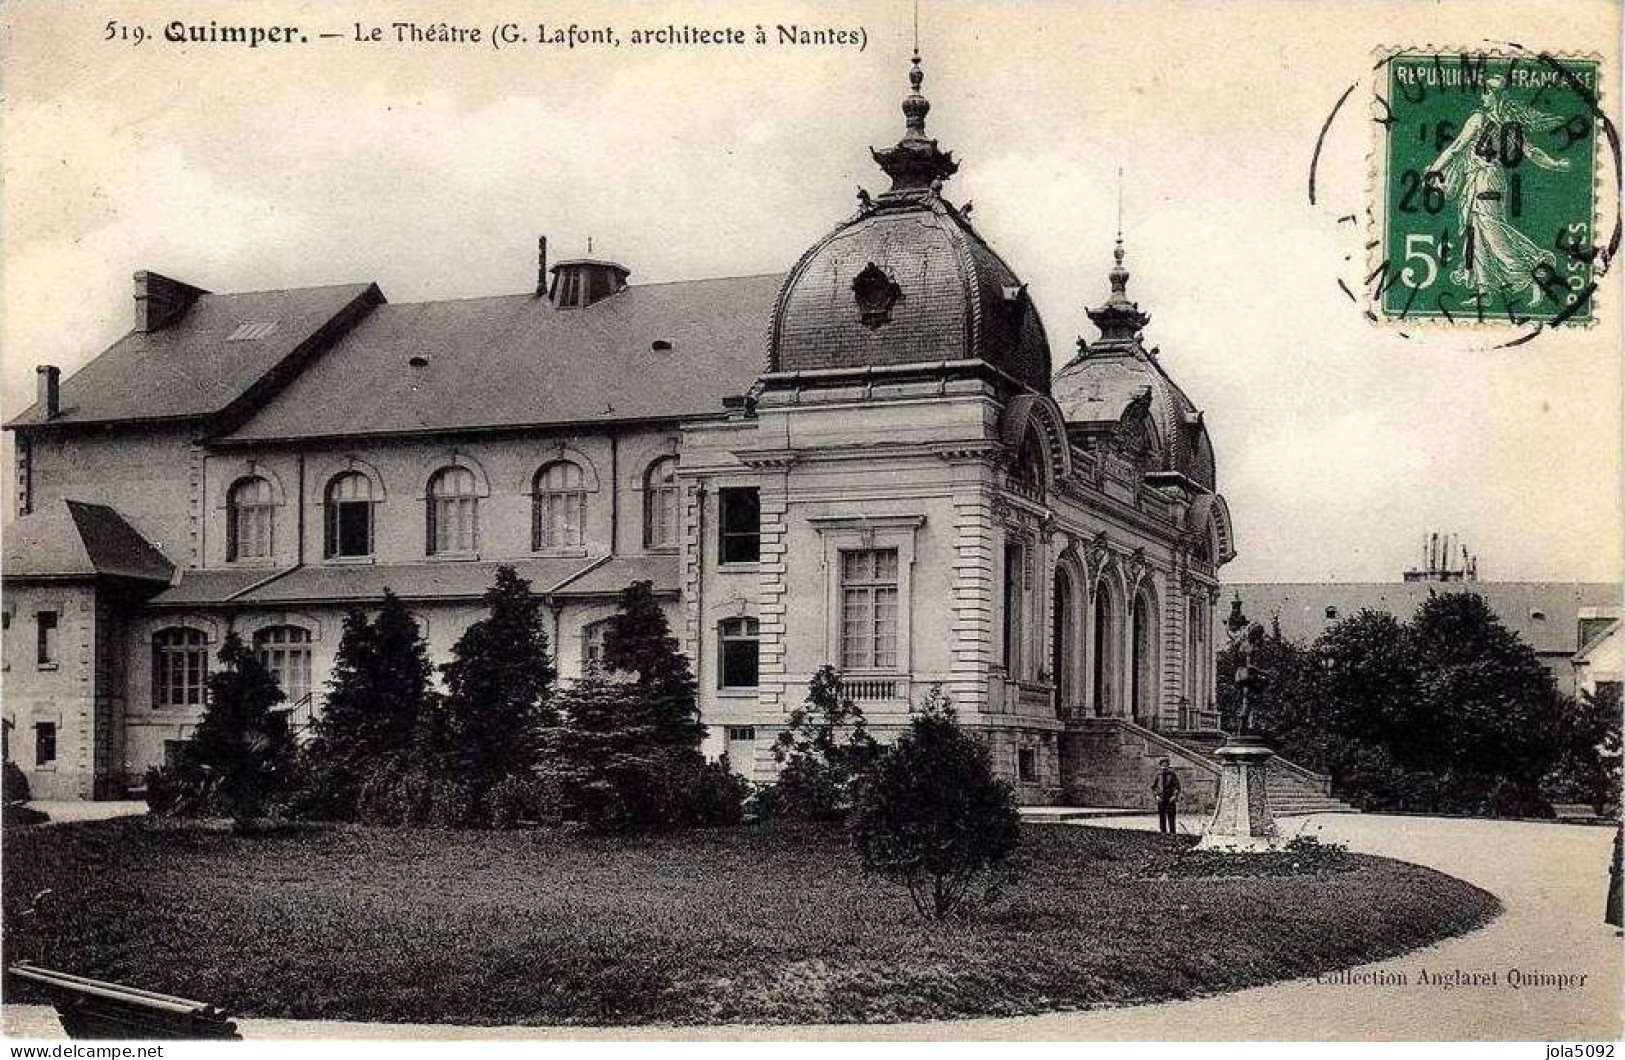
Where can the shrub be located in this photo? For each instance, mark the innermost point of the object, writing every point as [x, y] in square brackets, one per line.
[241, 749]
[822, 752]
[705, 794]
[16, 784]
[513, 799]
[931, 813]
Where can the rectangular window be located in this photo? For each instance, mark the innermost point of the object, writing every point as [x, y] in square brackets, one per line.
[349, 528]
[741, 748]
[592, 646]
[45, 743]
[741, 653]
[46, 641]
[869, 609]
[1012, 608]
[453, 525]
[1027, 765]
[740, 524]
[5, 632]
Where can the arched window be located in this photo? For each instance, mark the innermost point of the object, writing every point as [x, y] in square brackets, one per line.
[180, 667]
[285, 652]
[1064, 643]
[740, 653]
[349, 515]
[558, 506]
[1027, 474]
[453, 512]
[1104, 656]
[1141, 673]
[660, 504]
[1196, 659]
[250, 519]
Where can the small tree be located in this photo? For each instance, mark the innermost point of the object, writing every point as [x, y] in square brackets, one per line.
[639, 641]
[242, 752]
[375, 696]
[627, 754]
[931, 813]
[822, 752]
[498, 690]
[1588, 769]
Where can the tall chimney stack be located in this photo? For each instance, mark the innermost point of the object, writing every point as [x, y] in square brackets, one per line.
[48, 390]
[160, 301]
[541, 266]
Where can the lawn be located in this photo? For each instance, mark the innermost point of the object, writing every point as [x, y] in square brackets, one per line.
[753, 924]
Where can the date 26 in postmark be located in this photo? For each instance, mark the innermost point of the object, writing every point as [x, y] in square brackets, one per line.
[1484, 190]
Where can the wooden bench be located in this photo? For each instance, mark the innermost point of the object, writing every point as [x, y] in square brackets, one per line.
[90, 1008]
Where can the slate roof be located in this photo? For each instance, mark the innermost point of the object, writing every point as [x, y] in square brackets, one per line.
[956, 299]
[1302, 606]
[72, 539]
[364, 582]
[610, 577]
[514, 360]
[189, 368]
[1096, 387]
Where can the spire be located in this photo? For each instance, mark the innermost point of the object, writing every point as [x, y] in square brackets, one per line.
[1119, 320]
[916, 162]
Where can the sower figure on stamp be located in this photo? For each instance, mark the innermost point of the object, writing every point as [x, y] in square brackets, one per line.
[1166, 788]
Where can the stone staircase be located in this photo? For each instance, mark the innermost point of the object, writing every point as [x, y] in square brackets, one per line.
[1293, 790]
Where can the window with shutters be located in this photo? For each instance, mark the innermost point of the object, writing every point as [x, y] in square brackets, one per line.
[453, 510]
[349, 516]
[250, 520]
[558, 507]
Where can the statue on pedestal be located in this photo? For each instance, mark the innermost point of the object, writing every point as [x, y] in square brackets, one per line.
[1241, 813]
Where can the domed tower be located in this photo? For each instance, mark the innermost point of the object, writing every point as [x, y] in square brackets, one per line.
[1115, 394]
[907, 284]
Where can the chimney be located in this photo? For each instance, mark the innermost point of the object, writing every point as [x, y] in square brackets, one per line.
[48, 390]
[541, 266]
[160, 301]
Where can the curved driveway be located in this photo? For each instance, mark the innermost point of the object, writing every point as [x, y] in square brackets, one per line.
[1551, 878]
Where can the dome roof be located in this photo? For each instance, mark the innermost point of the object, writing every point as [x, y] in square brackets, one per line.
[1110, 383]
[907, 280]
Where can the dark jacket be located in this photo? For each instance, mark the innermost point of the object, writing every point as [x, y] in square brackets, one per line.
[1166, 786]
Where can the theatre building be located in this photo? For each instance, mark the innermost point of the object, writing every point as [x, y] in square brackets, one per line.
[872, 460]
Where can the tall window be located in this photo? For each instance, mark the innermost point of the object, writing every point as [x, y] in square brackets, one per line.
[180, 667]
[558, 506]
[660, 504]
[1013, 597]
[285, 652]
[453, 512]
[250, 519]
[740, 653]
[740, 524]
[869, 609]
[1140, 674]
[45, 650]
[44, 743]
[349, 515]
[592, 645]
[1104, 656]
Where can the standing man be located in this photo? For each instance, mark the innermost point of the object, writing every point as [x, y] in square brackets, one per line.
[1166, 788]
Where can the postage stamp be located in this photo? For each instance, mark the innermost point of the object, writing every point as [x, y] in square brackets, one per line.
[1484, 194]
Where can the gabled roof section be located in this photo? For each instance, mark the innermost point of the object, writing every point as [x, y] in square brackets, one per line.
[75, 539]
[517, 361]
[223, 353]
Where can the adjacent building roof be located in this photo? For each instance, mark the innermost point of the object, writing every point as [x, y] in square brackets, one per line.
[610, 577]
[364, 582]
[75, 539]
[202, 363]
[655, 351]
[1544, 615]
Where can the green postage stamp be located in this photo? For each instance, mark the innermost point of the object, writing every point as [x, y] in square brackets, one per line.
[1485, 191]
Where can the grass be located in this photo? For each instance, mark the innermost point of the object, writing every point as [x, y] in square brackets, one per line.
[770, 924]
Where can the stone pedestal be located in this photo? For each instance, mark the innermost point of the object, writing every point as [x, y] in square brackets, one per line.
[1241, 818]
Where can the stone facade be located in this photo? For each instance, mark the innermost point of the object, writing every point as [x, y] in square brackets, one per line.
[892, 486]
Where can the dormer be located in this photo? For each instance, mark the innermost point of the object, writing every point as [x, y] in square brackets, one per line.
[582, 281]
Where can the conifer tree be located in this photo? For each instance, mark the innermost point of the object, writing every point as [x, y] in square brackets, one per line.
[499, 686]
[241, 752]
[374, 697]
[639, 641]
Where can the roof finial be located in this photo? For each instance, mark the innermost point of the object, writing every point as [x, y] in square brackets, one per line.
[916, 106]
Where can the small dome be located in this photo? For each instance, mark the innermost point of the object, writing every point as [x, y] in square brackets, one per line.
[1109, 382]
[907, 280]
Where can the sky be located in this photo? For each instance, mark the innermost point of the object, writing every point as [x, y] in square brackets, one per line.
[432, 169]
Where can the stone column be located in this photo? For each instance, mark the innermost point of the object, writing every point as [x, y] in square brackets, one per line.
[1241, 816]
